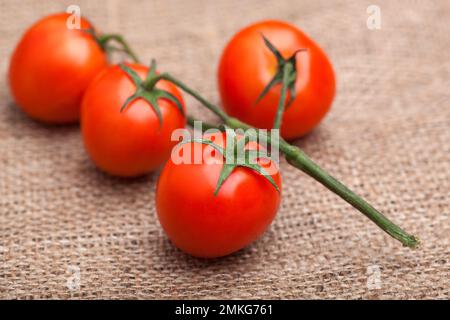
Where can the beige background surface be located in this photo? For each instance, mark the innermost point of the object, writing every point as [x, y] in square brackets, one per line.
[387, 137]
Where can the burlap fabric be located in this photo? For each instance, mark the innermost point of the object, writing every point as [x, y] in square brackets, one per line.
[69, 231]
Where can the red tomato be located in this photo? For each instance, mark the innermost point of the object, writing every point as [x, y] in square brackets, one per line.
[51, 68]
[131, 142]
[247, 66]
[205, 225]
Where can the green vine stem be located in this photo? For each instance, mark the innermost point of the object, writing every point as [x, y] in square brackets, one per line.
[104, 41]
[297, 158]
[287, 70]
[205, 126]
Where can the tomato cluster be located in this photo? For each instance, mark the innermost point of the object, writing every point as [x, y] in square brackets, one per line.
[60, 75]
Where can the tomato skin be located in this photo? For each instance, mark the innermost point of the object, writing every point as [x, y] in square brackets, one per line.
[52, 66]
[247, 66]
[209, 226]
[131, 142]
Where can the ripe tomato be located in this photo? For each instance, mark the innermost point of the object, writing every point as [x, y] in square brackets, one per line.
[247, 66]
[207, 225]
[52, 66]
[132, 142]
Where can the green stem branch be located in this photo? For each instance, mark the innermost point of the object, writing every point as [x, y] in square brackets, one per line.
[297, 158]
[104, 39]
[287, 69]
[300, 160]
[205, 126]
[216, 110]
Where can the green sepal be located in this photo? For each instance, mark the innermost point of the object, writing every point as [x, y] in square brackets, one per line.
[204, 141]
[232, 150]
[152, 94]
[263, 172]
[151, 72]
[132, 74]
[128, 101]
[226, 171]
[292, 77]
[152, 99]
[167, 95]
[274, 50]
[278, 77]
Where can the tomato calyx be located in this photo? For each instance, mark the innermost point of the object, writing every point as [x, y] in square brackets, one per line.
[147, 90]
[235, 155]
[104, 41]
[286, 75]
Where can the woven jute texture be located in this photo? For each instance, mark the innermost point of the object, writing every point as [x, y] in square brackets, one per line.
[70, 231]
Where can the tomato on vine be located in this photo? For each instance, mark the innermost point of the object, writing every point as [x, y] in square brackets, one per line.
[52, 66]
[216, 207]
[126, 123]
[255, 65]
